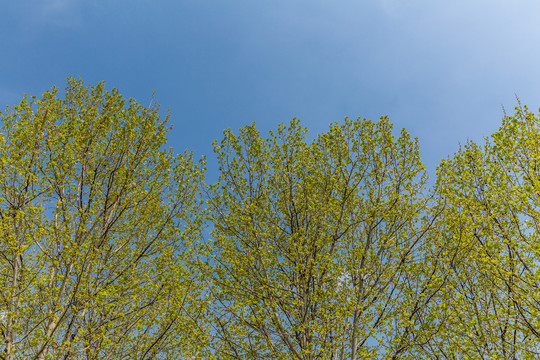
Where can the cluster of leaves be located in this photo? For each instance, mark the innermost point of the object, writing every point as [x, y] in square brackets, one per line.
[333, 248]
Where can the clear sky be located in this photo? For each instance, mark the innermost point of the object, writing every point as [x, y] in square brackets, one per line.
[441, 69]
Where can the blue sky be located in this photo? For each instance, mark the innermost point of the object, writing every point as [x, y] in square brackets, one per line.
[441, 69]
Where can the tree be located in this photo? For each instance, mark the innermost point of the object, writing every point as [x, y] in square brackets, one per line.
[97, 221]
[489, 231]
[316, 246]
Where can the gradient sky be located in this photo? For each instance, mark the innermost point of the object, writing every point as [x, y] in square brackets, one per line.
[441, 69]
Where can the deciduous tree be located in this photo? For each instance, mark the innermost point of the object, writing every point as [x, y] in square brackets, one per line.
[315, 245]
[96, 217]
[488, 235]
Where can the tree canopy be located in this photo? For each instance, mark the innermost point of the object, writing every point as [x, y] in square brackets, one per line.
[95, 218]
[114, 247]
[314, 243]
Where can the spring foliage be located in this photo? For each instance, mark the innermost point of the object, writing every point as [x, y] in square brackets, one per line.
[95, 218]
[113, 247]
